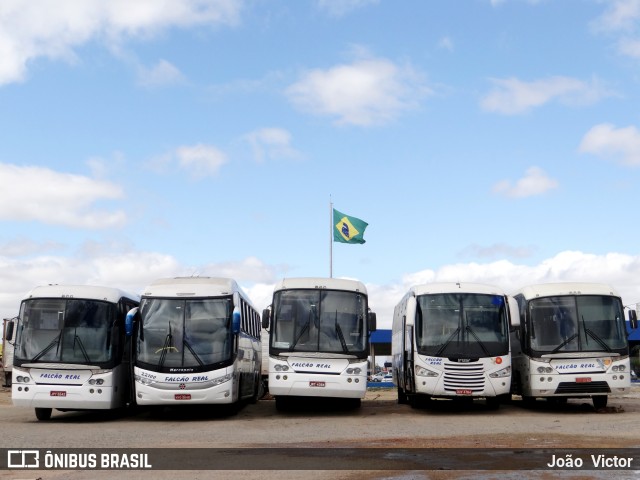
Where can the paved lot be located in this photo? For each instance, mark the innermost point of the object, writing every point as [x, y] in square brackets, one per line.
[380, 422]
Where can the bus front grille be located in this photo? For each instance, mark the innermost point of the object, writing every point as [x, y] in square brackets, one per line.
[463, 376]
[583, 388]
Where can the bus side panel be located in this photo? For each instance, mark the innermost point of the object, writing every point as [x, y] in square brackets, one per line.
[248, 365]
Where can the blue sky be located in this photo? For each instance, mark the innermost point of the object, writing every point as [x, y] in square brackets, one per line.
[487, 141]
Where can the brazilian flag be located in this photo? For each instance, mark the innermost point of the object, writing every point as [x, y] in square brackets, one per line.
[347, 229]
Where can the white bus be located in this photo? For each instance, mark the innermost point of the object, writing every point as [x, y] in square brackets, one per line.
[451, 340]
[572, 343]
[71, 351]
[198, 342]
[319, 339]
[7, 352]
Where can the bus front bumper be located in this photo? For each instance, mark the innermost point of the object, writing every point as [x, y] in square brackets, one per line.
[317, 385]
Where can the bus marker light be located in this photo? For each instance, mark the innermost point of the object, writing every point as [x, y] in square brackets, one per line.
[498, 360]
[182, 396]
[583, 380]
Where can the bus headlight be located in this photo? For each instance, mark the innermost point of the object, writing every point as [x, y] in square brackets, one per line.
[354, 371]
[281, 368]
[220, 380]
[425, 372]
[23, 379]
[505, 372]
[618, 368]
[143, 380]
[96, 381]
[545, 370]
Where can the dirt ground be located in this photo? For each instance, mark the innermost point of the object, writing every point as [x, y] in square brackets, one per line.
[380, 423]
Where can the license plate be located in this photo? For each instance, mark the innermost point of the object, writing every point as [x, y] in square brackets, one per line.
[316, 384]
[583, 380]
[57, 393]
[182, 396]
[463, 392]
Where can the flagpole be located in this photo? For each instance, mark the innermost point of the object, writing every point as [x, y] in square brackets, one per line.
[330, 238]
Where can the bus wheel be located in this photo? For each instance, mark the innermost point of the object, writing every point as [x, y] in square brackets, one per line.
[258, 391]
[43, 413]
[353, 403]
[599, 401]
[419, 401]
[493, 403]
[402, 396]
[282, 404]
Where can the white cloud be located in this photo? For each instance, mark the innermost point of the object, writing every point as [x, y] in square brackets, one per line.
[250, 269]
[511, 96]
[367, 92]
[616, 269]
[132, 271]
[534, 182]
[162, 74]
[271, 143]
[23, 246]
[445, 43]
[621, 19]
[54, 29]
[497, 250]
[618, 144]
[43, 195]
[339, 8]
[120, 267]
[629, 47]
[621, 15]
[200, 160]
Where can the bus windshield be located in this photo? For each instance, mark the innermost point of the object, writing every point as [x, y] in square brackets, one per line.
[179, 333]
[462, 325]
[66, 331]
[327, 321]
[577, 323]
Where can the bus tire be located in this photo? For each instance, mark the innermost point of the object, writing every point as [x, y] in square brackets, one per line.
[354, 403]
[258, 391]
[419, 401]
[402, 396]
[43, 413]
[599, 401]
[282, 404]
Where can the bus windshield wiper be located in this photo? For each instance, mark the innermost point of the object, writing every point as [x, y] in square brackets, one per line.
[166, 347]
[304, 329]
[82, 349]
[568, 340]
[195, 355]
[341, 335]
[597, 338]
[482, 346]
[54, 343]
[447, 342]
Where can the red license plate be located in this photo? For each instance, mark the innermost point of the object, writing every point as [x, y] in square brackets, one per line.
[182, 396]
[583, 380]
[316, 384]
[463, 392]
[57, 393]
